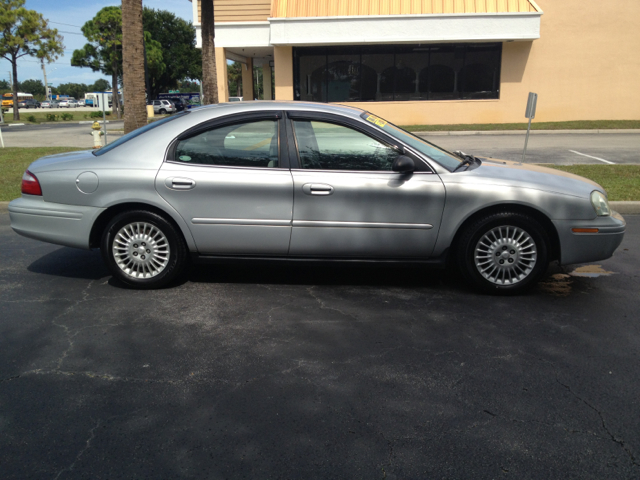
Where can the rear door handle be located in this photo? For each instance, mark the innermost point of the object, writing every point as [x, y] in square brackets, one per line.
[317, 189]
[176, 183]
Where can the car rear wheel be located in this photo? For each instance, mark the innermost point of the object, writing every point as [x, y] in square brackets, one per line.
[143, 250]
[162, 111]
[503, 253]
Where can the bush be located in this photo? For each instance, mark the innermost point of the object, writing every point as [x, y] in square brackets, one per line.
[67, 116]
[32, 119]
[99, 114]
[52, 117]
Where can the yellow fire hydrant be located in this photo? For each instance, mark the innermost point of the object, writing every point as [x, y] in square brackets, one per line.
[96, 131]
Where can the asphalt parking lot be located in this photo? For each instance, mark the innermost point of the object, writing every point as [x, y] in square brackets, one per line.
[315, 372]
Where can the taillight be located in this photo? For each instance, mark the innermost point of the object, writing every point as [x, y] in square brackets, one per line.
[30, 184]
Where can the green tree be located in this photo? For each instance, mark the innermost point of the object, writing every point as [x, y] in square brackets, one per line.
[101, 85]
[34, 87]
[75, 90]
[103, 53]
[4, 85]
[25, 32]
[188, 86]
[177, 41]
[234, 74]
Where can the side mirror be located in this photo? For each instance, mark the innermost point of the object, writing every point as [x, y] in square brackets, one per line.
[403, 164]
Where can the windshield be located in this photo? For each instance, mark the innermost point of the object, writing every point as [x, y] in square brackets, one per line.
[135, 133]
[447, 159]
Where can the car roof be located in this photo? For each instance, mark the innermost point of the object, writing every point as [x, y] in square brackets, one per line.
[261, 105]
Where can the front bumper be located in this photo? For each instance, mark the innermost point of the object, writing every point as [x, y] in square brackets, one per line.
[590, 247]
[68, 225]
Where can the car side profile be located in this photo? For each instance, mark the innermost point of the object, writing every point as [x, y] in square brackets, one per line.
[304, 181]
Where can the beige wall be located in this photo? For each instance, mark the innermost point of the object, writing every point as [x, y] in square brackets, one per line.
[585, 66]
[238, 10]
[221, 73]
[283, 72]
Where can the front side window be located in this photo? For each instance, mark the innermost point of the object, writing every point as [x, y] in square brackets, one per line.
[327, 146]
[249, 144]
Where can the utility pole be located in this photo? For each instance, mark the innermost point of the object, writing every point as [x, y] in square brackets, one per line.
[46, 85]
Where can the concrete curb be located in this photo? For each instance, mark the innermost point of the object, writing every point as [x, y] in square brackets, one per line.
[533, 132]
[628, 208]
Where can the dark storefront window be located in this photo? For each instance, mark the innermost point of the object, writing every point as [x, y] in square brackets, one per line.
[397, 72]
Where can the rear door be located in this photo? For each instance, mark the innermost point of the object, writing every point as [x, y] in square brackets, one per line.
[230, 181]
[347, 200]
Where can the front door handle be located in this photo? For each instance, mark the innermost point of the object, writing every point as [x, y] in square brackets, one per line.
[176, 183]
[317, 189]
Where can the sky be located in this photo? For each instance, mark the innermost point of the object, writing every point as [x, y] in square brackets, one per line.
[68, 16]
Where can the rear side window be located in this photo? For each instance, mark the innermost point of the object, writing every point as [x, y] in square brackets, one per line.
[249, 144]
[137, 132]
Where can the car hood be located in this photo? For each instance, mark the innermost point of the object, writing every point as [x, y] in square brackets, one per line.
[509, 173]
[63, 161]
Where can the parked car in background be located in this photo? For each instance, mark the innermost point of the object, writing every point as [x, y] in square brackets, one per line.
[45, 104]
[29, 103]
[178, 103]
[235, 99]
[295, 181]
[68, 103]
[80, 103]
[163, 107]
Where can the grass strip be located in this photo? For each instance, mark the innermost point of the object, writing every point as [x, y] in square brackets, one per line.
[27, 116]
[622, 182]
[14, 161]
[573, 125]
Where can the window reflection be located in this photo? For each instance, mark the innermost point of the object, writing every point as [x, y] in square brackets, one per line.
[397, 72]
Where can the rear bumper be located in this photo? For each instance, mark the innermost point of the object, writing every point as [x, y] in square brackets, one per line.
[590, 247]
[68, 225]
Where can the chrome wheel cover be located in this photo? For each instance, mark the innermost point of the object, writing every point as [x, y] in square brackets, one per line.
[141, 250]
[505, 255]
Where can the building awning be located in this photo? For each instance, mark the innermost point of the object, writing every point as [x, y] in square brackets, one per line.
[363, 22]
[336, 8]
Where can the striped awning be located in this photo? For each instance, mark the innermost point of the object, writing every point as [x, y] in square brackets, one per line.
[343, 8]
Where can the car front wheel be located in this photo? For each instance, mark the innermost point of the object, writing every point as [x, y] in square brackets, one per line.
[503, 253]
[143, 250]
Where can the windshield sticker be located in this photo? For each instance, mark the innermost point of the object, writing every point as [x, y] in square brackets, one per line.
[378, 121]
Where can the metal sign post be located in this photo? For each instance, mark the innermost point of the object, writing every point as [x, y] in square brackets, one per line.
[530, 113]
[1, 121]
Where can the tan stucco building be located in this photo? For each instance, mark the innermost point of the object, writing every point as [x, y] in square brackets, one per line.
[439, 61]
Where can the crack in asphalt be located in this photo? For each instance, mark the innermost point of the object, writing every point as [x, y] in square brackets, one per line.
[324, 307]
[92, 435]
[604, 425]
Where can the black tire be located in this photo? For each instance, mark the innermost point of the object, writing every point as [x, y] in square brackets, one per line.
[162, 111]
[513, 254]
[166, 251]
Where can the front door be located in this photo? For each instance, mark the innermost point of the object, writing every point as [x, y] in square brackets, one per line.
[349, 203]
[230, 186]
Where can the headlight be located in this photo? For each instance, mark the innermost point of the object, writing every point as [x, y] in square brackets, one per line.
[600, 204]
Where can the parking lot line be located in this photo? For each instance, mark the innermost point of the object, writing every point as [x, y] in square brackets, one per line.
[595, 158]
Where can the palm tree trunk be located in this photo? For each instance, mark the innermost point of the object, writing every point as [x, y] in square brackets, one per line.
[209, 74]
[14, 89]
[135, 115]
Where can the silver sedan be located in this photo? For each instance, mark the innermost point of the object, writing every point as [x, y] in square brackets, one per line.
[297, 180]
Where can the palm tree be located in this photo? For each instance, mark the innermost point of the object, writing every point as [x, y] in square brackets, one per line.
[209, 74]
[135, 114]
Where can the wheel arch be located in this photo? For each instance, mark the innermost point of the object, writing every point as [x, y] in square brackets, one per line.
[544, 220]
[105, 217]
